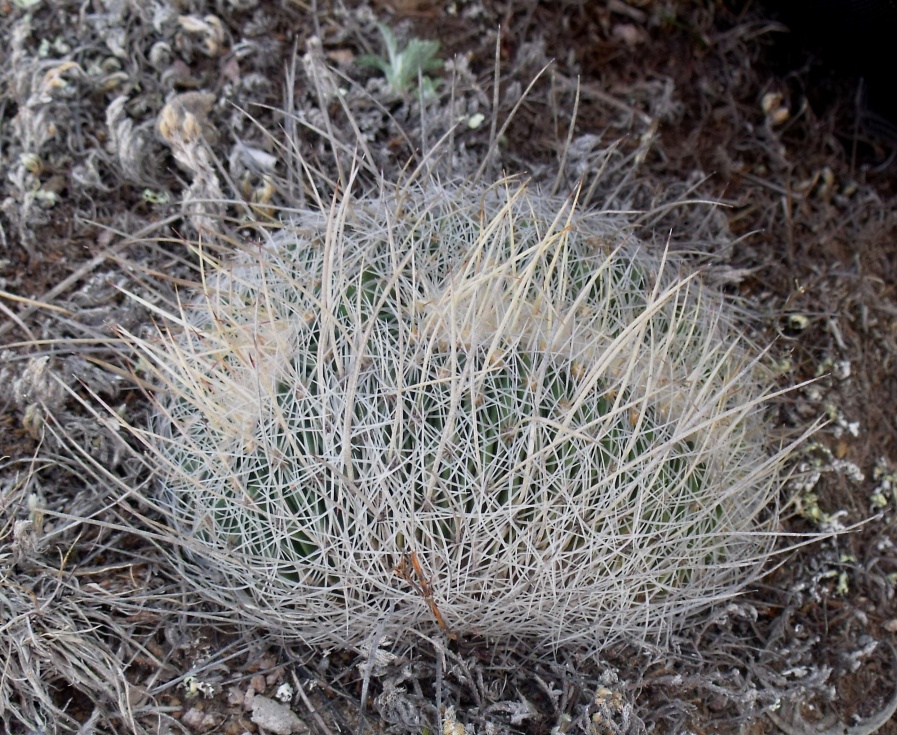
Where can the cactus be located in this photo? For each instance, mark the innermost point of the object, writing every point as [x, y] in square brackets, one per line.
[462, 406]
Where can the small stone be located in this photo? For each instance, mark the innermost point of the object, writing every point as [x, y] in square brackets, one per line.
[276, 717]
[247, 699]
[199, 721]
[235, 697]
[237, 727]
[193, 718]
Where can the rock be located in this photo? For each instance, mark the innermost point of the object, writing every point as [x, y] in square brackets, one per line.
[199, 721]
[276, 717]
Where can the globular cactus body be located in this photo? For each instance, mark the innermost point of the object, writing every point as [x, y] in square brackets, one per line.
[467, 407]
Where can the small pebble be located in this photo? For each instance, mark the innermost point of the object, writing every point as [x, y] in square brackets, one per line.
[276, 717]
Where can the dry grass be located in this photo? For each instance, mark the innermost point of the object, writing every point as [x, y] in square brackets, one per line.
[72, 629]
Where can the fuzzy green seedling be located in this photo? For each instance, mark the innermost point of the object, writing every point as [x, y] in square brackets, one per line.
[403, 68]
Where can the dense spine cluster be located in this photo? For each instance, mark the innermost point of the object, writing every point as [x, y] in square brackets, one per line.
[466, 407]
